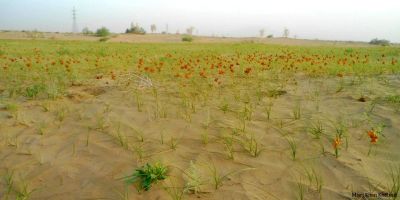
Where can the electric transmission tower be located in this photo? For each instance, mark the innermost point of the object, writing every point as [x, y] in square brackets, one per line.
[74, 24]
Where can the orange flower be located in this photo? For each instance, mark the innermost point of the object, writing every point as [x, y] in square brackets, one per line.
[203, 74]
[336, 143]
[248, 70]
[373, 136]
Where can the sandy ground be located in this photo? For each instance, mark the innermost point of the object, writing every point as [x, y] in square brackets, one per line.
[69, 149]
[173, 38]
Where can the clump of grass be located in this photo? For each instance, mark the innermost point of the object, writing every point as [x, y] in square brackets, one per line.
[147, 175]
[101, 122]
[23, 193]
[393, 100]
[123, 195]
[246, 114]
[224, 107]
[194, 179]
[300, 190]
[228, 143]
[138, 149]
[248, 111]
[9, 180]
[314, 177]
[293, 148]
[174, 191]
[252, 146]
[218, 178]
[207, 123]
[394, 183]
[32, 91]
[173, 143]
[139, 101]
[316, 129]
[275, 92]
[88, 136]
[162, 137]
[205, 137]
[121, 137]
[61, 113]
[139, 135]
[268, 110]
[316, 98]
[296, 112]
[323, 151]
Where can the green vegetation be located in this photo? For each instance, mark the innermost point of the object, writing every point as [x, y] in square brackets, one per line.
[104, 39]
[102, 32]
[148, 175]
[187, 38]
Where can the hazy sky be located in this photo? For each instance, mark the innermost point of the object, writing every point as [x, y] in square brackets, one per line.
[359, 20]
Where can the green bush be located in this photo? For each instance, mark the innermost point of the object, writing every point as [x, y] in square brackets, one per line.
[102, 32]
[147, 175]
[187, 38]
[104, 39]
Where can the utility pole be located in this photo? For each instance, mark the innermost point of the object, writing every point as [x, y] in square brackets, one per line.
[74, 24]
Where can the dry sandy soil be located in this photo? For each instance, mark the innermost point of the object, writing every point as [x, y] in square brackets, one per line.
[69, 149]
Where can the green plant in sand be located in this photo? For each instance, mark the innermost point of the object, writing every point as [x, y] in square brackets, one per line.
[252, 145]
[218, 178]
[293, 148]
[394, 181]
[316, 129]
[147, 175]
[297, 112]
[194, 179]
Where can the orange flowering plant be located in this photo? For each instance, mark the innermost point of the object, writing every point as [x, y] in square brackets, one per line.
[374, 134]
[336, 145]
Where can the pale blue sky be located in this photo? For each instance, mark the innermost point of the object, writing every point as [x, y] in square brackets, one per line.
[359, 20]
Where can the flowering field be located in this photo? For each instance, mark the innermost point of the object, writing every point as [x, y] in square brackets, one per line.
[232, 121]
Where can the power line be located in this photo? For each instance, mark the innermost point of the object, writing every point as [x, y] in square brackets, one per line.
[74, 24]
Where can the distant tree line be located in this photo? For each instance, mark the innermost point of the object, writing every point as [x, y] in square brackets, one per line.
[381, 42]
[101, 32]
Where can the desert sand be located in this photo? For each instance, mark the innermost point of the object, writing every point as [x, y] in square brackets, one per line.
[77, 154]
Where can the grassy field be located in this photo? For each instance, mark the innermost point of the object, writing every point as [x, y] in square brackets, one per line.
[213, 120]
